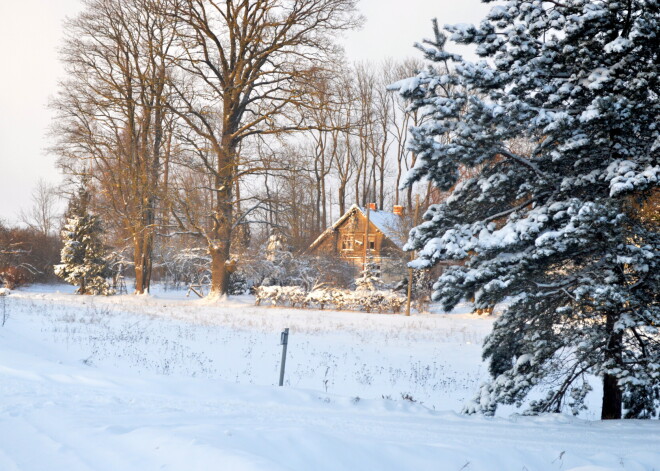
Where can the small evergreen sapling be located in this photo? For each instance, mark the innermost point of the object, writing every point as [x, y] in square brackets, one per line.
[83, 257]
[557, 232]
[369, 279]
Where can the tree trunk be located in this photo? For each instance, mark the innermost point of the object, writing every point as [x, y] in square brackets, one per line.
[612, 400]
[148, 265]
[142, 256]
[612, 397]
[220, 243]
[219, 273]
[324, 202]
[152, 197]
[138, 259]
[341, 191]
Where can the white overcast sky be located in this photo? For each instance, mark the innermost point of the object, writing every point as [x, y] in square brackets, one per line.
[31, 34]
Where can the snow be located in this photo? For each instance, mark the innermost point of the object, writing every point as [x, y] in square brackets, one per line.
[619, 45]
[164, 382]
[624, 176]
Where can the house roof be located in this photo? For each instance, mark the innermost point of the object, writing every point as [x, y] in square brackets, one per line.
[385, 221]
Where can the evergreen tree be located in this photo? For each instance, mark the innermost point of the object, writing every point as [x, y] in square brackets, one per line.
[83, 258]
[369, 279]
[556, 232]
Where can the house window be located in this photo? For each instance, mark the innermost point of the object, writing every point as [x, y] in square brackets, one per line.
[347, 242]
[371, 245]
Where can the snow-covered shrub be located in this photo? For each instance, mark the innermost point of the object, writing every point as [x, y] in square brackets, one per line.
[280, 295]
[267, 294]
[342, 299]
[295, 296]
[373, 301]
[330, 271]
[394, 301]
[367, 300]
[319, 297]
[285, 268]
[381, 301]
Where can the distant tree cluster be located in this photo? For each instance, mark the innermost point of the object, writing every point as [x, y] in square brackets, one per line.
[29, 251]
[27, 255]
[202, 124]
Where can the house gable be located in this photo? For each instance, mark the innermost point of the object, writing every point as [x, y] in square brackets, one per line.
[346, 237]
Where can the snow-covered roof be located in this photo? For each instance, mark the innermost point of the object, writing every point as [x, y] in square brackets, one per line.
[385, 221]
[388, 223]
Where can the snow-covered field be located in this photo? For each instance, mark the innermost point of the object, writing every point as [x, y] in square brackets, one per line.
[164, 382]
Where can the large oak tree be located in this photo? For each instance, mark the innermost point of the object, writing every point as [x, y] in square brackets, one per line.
[246, 68]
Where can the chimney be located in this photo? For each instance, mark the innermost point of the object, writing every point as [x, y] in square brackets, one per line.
[372, 206]
[398, 210]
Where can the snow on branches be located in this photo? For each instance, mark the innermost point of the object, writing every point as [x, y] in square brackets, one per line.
[321, 298]
[556, 228]
[84, 261]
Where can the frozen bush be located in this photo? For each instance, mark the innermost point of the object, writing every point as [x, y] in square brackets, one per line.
[267, 293]
[295, 296]
[319, 297]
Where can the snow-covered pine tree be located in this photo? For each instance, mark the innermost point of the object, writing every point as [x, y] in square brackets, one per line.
[556, 234]
[83, 257]
[369, 278]
[279, 257]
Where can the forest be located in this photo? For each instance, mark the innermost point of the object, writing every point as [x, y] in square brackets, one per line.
[200, 129]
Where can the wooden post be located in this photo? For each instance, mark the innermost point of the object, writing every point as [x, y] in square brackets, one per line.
[3, 307]
[284, 340]
[366, 239]
[412, 257]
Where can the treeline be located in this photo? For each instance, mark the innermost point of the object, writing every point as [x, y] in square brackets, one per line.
[27, 255]
[28, 251]
[203, 124]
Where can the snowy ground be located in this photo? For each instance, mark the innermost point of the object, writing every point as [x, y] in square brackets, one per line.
[164, 382]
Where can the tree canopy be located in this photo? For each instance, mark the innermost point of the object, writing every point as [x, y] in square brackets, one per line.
[556, 234]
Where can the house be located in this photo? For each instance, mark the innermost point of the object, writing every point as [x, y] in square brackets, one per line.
[382, 240]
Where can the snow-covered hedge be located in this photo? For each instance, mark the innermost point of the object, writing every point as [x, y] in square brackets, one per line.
[361, 300]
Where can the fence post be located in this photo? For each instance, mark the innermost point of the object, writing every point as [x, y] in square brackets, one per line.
[284, 340]
[3, 306]
[410, 270]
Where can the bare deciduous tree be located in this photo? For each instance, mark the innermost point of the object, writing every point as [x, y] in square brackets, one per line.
[248, 61]
[42, 216]
[112, 123]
